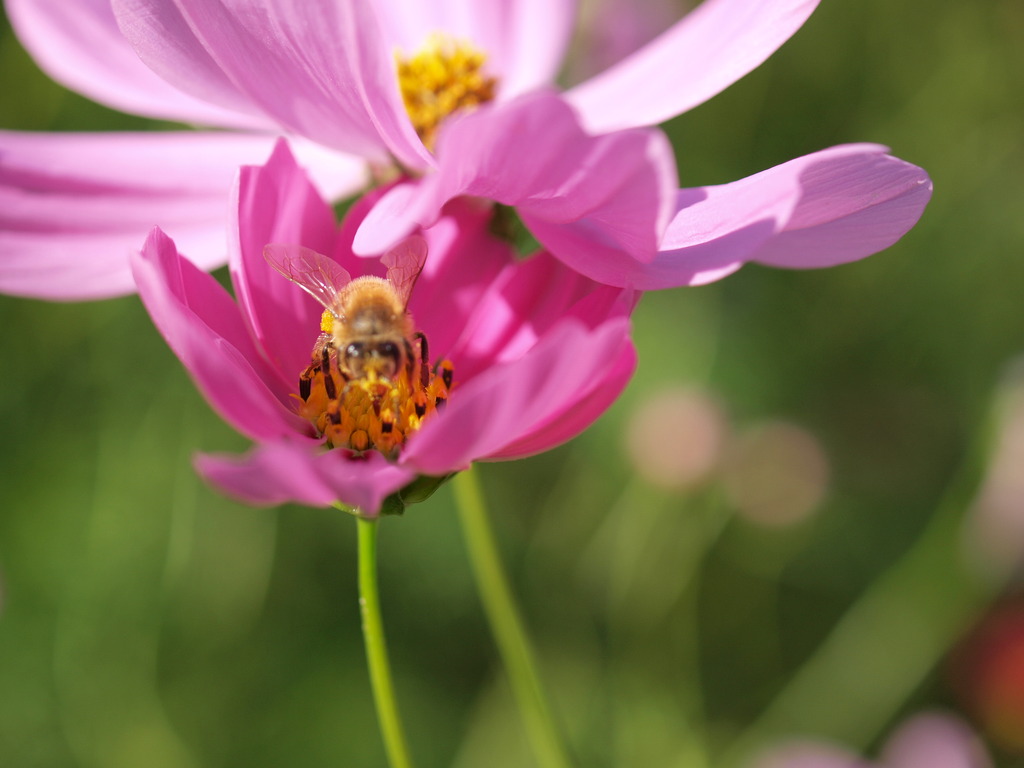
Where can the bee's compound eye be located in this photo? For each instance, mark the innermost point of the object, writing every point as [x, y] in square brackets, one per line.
[389, 349]
[355, 350]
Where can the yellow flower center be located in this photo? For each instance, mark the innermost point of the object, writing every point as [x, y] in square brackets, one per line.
[440, 79]
[371, 412]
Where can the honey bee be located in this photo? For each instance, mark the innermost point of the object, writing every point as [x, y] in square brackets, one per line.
[366, 327]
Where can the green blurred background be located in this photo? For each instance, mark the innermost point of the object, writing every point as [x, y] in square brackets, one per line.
[147, 621]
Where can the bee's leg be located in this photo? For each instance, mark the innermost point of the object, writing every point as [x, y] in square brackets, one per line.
[424, 359]
[321, 362]
[325, 367]
[306, 381]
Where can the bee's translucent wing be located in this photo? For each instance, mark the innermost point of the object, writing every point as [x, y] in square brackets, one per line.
[320, 277]
[404, 263]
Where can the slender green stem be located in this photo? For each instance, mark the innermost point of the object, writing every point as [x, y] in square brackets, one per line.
[376, 649]
[506, 624]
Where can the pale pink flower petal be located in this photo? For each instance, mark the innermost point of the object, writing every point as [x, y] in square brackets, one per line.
[851, 205]
[74, 206]
[336, 175]
[712, 47]
[204, 328]
[279, 472]
[609, 30]
[819, 210]
[512, 401]
[79, 45]
[317, 68]
[609, 196]
[537, 37]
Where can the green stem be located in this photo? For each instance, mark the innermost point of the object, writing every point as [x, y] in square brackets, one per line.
[506, 623]
[376, 648]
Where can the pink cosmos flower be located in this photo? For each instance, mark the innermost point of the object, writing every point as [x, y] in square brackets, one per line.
[534, 352]
[926, 741]
[326, 70]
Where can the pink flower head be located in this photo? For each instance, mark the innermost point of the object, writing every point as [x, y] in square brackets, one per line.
[493, 380]
[363, 78]
[926, 741]
[327, 71]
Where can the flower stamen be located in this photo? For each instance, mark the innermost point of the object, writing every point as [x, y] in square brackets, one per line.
[440, 79]
[372, 412]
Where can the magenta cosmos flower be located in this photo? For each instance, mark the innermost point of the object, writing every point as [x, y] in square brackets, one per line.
[372, 83]
[926, 741]
[519, 355]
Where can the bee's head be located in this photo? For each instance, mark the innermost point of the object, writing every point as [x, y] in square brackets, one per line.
[373, 359]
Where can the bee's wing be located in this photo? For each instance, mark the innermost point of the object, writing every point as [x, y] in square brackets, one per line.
[404, 263]
[320, 277]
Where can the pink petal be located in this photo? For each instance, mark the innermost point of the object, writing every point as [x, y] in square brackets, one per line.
[538, 33]
[610, 30]
[568, 424]
[395, 215]
[204, 328]
[79, 45]
[163, 38]
[541, 289]
[464, 258]
[851, 206]
[73, 206]
[708, 50]
[822, 209]
[74, 266]
[274, 473]
[276, 203]
[524, 41]
[337, 175]
[319, 69]
[606, 197]
[511, 402]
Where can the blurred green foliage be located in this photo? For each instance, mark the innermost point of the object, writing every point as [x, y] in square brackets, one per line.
[147, 621]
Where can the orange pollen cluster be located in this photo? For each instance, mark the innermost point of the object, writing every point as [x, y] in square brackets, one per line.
[442, 78]
[371, 413]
